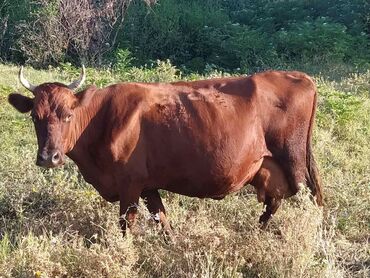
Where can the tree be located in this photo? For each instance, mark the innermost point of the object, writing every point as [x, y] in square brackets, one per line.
[82, 29]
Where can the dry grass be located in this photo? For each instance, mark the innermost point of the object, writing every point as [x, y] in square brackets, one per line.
[53, 224]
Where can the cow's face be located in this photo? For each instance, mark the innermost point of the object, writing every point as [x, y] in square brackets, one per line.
[52, 111]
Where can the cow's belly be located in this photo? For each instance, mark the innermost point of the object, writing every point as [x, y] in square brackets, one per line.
[214, 186]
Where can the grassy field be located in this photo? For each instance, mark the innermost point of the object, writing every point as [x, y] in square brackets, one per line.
[53, 224]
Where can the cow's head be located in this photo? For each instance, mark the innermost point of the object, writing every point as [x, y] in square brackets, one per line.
[52, 110]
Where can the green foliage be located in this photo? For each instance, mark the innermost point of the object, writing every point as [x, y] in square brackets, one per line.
[12, 13]
[236, 35]
[248, 35]
[319, 41]
[339, 106]
[123, 59]
[160, 71]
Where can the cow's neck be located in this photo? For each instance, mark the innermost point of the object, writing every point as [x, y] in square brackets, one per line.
[87, 136]
[87, 128]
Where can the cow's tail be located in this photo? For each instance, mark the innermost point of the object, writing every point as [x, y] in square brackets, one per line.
[312, 174]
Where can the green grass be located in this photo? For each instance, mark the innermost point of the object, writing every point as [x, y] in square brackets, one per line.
[53, 224]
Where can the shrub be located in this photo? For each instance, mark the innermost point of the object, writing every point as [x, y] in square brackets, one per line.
[123, 60]
[319, 41]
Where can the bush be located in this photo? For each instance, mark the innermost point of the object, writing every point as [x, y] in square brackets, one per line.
[320, 41]
[233, 35]
[42, 40]
[123, 60]
[246, 35]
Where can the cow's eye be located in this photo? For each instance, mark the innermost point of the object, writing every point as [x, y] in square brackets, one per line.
[68, 118]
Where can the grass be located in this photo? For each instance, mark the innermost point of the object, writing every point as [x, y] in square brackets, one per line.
[53, 224]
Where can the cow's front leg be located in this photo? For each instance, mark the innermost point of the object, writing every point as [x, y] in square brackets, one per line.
[129, 200]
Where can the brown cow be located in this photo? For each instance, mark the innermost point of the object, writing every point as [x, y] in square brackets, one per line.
[203, 139]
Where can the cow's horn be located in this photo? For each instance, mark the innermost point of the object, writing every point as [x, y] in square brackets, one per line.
[77, 83]
[25, 82]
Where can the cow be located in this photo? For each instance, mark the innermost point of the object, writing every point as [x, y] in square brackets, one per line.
[202, 139]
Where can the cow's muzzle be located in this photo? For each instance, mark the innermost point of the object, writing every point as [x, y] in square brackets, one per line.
[50, 160]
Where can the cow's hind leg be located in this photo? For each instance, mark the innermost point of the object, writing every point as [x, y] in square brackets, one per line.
[155, 206]
[272, 186]
[272, 204]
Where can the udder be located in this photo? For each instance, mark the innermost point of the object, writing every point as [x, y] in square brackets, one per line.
[270, 181]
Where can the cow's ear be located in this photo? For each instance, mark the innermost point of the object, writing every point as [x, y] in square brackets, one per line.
[84, 97]
[22, 103]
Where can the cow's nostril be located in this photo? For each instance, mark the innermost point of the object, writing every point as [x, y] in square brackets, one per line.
[55, 158]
